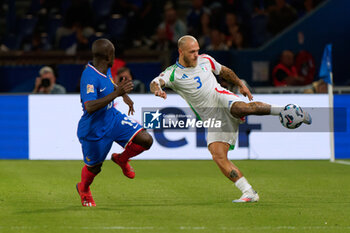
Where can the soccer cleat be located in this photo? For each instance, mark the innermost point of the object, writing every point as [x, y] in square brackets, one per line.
[125, 166]
[250, 196]
[86, 197]
[307, 118]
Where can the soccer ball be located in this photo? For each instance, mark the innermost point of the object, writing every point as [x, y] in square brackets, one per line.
[291, 116]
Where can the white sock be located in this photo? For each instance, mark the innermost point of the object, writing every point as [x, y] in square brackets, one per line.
[275, 110]
[243, 185]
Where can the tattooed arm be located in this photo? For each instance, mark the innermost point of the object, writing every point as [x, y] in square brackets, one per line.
[231, 76]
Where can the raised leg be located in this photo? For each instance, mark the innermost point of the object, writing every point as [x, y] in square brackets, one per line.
[144, 139]
[241, 109]
[141, 142]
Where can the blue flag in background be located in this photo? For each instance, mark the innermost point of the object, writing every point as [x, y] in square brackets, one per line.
[326, 64]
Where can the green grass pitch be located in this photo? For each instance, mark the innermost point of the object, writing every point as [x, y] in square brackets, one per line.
[175, 196]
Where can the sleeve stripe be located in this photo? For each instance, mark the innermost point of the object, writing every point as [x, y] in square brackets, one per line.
[172, 76]
[225, 92]
[211, 62]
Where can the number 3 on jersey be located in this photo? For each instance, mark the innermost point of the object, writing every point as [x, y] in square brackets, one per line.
[199, 81]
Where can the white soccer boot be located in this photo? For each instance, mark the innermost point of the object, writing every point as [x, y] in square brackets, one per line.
[249, 196]
[307, 118]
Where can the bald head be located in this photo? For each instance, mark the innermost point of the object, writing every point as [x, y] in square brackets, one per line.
[103, 50]
[101, 47]
[185, 40]
[188, 51]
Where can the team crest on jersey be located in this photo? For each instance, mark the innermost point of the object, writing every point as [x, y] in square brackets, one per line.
[184, 76]
[204, 68]
[90, 89]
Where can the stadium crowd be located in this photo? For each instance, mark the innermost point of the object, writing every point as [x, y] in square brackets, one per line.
[152, 25]
[155, 24]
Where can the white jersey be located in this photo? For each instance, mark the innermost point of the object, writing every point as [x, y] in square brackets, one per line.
[194, 84]
[199, 87]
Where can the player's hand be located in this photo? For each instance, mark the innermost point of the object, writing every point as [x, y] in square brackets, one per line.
[245, 92]
[130, 103]
[125, 86]
[160, 93]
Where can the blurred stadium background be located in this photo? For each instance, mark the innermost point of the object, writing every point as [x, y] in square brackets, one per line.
[248, 36]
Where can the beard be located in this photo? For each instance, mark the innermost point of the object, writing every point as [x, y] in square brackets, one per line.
[190, 63]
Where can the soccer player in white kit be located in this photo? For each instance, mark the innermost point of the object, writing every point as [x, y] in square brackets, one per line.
[192, 78]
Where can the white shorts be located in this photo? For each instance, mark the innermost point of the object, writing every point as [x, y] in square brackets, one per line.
[230, 125]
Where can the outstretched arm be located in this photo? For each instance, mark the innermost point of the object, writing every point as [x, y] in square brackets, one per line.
[156, 87]
[231, 76]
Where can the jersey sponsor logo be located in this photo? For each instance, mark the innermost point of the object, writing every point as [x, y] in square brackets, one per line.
[90, 89]
[101, 90]
[184, 76]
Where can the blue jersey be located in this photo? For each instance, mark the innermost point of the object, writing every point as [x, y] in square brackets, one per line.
[95, 85]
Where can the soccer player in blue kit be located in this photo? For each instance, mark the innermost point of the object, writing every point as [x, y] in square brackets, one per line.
[102, 124]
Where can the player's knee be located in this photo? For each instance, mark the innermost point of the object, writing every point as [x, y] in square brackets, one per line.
[95, 169]
[143, 139]
[219, 158]
[148, 141]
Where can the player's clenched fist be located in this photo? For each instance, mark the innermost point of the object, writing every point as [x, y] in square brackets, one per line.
[125, 86]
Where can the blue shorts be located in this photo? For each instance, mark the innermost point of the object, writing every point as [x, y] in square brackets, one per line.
[123, 131]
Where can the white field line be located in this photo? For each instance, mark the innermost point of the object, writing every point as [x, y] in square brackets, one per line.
[296, 228]
[342, 162]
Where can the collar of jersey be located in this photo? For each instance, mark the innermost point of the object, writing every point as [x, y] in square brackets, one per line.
[92, 67]
[179, 65]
